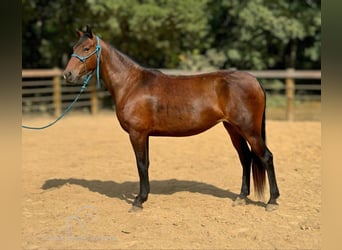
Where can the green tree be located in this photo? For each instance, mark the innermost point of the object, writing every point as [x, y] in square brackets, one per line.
[192, 34]
[154, 32]
[48, 31]
[260, 34]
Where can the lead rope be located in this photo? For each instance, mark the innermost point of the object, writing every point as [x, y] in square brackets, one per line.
[66, 110]
[85, 83]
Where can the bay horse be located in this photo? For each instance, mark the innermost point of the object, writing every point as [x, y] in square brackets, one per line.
[151, 103]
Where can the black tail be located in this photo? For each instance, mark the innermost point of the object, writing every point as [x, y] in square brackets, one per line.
[258, 170]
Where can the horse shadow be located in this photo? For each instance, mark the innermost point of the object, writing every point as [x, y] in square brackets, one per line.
[125, 190]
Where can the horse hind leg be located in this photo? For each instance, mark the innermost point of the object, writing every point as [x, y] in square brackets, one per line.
[274, 191]
[244, 153]
[264, 161]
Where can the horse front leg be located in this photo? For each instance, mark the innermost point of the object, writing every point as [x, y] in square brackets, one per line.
[140, 146]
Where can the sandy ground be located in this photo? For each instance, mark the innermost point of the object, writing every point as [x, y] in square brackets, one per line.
[79, 179]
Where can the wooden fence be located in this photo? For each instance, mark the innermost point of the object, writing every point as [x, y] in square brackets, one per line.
[40, 93]
[45, 90]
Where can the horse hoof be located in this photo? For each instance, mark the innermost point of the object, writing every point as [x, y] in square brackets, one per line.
[271, 207]
[239, 202]
[135, 209]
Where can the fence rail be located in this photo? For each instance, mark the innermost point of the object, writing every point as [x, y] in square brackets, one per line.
[37, 88]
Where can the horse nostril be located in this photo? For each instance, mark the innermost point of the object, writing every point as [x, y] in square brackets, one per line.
[67, 75]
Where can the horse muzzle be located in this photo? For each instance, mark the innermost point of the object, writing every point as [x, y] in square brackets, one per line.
[70, 77]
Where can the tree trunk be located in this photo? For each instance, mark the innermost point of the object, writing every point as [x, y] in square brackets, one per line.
[292, 56]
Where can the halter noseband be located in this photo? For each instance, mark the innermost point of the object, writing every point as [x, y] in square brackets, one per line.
[83, 59]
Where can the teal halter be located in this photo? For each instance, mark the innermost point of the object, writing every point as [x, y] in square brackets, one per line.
[84, 58]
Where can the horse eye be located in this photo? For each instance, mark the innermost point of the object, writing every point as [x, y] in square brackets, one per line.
[86, 49]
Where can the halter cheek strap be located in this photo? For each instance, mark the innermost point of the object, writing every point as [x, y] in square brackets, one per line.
[83, 59]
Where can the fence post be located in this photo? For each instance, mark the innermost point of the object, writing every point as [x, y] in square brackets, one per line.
[290, 94]
[57, 100]
[94, 102]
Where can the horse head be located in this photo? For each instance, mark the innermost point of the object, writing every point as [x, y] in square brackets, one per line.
[85, 57]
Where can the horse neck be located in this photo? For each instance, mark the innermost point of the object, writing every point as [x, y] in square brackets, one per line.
[118, 72]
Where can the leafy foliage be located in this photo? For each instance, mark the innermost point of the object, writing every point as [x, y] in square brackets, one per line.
[262, 34]
[190, 34]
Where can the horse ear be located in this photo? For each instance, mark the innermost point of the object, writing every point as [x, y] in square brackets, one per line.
[79, 33]
[88, 32]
